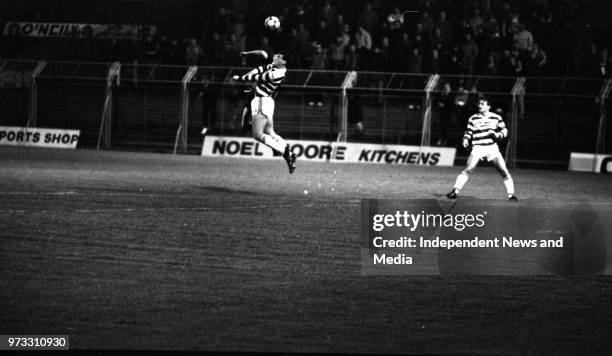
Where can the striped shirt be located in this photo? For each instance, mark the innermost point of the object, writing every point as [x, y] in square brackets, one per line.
[268, 79]
[485, 129]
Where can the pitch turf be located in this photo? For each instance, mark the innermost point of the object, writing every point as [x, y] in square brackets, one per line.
[148, 251]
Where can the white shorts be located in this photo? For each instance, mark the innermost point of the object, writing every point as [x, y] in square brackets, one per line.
[262, 106]
[486, 153]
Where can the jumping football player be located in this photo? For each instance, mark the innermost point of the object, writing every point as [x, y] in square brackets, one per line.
[484, 129]
[267, 80]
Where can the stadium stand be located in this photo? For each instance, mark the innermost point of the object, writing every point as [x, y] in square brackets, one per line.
[535, 37]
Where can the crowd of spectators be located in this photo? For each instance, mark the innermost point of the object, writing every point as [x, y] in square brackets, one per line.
[489, 37]
[507, 38]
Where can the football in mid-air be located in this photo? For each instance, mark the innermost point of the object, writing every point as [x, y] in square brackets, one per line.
[272, 23]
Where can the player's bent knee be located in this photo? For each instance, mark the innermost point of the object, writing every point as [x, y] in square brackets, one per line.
[466, 172]
[259, 137]
[257, 134]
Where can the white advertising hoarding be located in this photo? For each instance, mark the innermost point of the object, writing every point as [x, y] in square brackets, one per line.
[588, 162]
[38, 137]
[332, 151]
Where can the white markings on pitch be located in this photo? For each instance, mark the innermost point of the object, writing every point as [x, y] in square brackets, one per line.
[316, 204]
[41, 193]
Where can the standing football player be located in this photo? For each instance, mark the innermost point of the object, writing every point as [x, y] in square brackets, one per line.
[483, 131]
[267, 80]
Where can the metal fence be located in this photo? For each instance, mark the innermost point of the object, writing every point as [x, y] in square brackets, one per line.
[165, 108]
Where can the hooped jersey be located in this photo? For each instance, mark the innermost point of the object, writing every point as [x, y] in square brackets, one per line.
[479, 129]
[267, 79]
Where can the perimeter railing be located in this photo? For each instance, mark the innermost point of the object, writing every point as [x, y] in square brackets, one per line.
[164, 108]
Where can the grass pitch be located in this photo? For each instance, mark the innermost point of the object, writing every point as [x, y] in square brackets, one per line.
[157, 252]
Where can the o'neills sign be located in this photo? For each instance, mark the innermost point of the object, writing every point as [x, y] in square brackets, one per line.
[78, 30]
[38, 137]
[332, 151]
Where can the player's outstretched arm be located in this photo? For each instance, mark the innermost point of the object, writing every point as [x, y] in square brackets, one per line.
[257, 52]
[269, 76]
[249, 77]
[252, 76]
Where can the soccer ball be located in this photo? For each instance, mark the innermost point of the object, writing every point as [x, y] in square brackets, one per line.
[272, 23]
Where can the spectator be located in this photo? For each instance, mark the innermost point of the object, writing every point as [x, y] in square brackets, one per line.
[453, 66]
[209, 98]
[601, 41]
[319, 57]
[445, 26]
[303, 39]
[490, 26]
[337, 50]
[174, 53]
[265, 46]
[438, 41]
[222, 22]
[150, 51]
[352, 58]
[537, 61]
[427, 25]
[193, 53]
[235, 45]
[363, 41]
[434, 62]
[542, 31]
[385, 50]
[518, 67]
[506, 65]
[469, 52]
[345, 34]
[561, 49]
[511, 24]
[323, 33]
[523, 40]
[419, 43]
[369, 18]
[475, 21]
[496, 44]
[490, 67]
[482, 42]
[329, 14]
[592, 67]
[294, 54]
[445, 105]
[415, 61]
[213, 50]
[337, 26]
[418, 32]
[461, 103]
[404, 46]
[239, 25]
[113, 50]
